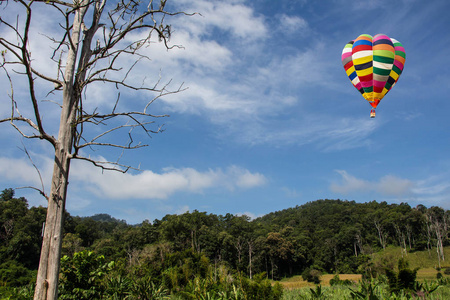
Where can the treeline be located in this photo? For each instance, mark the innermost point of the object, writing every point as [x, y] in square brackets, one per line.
[332, 236]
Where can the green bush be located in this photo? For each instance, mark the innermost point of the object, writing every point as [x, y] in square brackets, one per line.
[403, 280]
[145, 288]
[260, 288]
[81, 276]
[367, 290]
[311, 275]
[17, 293]
[337, 281]
[317, 293]
[15, 274]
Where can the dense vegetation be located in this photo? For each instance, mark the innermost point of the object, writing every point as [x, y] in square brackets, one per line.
[225, 255]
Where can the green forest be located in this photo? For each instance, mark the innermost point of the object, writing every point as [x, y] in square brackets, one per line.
[199, 255]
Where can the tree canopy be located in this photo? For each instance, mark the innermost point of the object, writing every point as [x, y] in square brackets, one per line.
[334, 236]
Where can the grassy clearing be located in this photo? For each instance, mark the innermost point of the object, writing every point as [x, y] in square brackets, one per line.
[419, 259]
[297, 282]
[426, 262]
[342, 292]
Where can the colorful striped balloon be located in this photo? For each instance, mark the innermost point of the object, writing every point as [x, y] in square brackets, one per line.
[373, 65]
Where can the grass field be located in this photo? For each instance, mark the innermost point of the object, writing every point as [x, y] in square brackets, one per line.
[343, 293]
[419, 259]
[297, 282]
[426, 262]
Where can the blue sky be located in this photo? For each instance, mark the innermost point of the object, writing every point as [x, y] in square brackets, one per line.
[270, 119]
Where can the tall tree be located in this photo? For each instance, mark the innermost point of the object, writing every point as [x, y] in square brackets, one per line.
[91, 44]
[436, 216]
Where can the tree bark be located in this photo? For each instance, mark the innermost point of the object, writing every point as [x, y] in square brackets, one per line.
[48, 272]
[47, 277]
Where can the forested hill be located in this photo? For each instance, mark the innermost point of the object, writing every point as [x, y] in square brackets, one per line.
[327, 235]
[369, 224]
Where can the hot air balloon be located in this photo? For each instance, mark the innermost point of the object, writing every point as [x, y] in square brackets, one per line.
[373, 65]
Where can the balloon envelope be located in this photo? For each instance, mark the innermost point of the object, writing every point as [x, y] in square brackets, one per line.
[373, 65]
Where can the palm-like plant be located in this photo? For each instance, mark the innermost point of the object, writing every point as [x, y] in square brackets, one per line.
[367, 291]
[317, 293]
[146, 289]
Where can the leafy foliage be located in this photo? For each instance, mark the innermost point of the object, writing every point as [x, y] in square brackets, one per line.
[81, 275]
[197, 255]
[367, 291]
[404, 279]
[311, 275]
[15, 274]
[317, 293]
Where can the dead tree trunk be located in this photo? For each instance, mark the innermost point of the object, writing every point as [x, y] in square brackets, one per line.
[381, 233]
[250, 252]
[47, 277]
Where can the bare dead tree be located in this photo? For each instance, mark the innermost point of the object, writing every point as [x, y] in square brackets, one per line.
[251, 245]
[401, 238]
[359, 243]
[91, 45]
[435, 224]
[381, 233]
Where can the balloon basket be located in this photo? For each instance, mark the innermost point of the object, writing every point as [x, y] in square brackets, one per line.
[372, 113]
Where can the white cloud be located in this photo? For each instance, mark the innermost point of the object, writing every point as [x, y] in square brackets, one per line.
[251, 215]
[21, 170]
[349, 184]
[434, 189]
[151, 185]
[243, 178]
[338, 135]
[388, 185]
[182, 209]
[76, 203]
[291, 193]
[230, 16]
[18, 169]
[395, 186]
[143, 185]
[293, 24]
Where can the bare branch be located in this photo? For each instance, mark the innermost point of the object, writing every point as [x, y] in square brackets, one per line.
[42, 190]
[53, 2]
[33, 188]
[107, 165]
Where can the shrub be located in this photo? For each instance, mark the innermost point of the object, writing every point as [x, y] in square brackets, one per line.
[145, 288]
[317, 293]
[15, 274]
[447, 271]
[337, 281]
[405, 279]
[311, 275]
[260, 288]
[17, 293]
[81, 275]
[367, 291]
